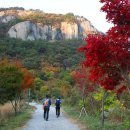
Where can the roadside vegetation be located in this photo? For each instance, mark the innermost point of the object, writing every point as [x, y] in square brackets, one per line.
[8, 120]
[117, 116]
[15, 81]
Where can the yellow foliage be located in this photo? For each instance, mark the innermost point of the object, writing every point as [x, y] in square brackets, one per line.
[65, 89]
[51, 69]
[44, 88]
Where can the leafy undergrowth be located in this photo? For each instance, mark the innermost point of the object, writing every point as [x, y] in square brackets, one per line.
[15, 122]
[94, 122]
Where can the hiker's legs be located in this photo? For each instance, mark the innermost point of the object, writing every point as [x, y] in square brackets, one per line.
[47, 112]
[58, 111]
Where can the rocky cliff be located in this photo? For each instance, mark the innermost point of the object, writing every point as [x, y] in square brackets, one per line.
[33, 25]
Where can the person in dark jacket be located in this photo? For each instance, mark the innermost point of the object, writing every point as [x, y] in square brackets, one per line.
[46, 104]
[58, 105]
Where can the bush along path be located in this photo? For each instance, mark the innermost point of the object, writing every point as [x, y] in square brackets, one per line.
[38, 123]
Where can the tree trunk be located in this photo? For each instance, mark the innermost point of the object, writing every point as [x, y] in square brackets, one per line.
[15, 104]
[83, 102]
[15, 107]
[92, 104]
[103, 99]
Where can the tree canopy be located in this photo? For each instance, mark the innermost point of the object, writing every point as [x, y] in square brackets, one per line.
[107, 55]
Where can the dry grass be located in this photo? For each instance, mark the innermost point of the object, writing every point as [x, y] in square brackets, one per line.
[6, 111]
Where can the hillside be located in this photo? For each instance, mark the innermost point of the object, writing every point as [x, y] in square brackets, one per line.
[39, 53]
[35, 24]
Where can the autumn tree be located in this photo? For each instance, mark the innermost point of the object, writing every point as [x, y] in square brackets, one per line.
[27, 81]
[84, 85]
[14, 80]
[82, 82]
[107, 55]
[10, 81]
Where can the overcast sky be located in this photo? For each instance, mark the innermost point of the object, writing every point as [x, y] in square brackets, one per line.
[90, 9]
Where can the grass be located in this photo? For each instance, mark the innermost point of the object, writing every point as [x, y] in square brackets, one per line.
[6, 111]
[15, 122]
[92, 122]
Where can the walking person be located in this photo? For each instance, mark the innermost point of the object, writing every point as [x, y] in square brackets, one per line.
[46, 106]
[58, 105]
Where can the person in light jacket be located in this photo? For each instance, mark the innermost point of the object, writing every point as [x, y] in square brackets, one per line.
[46, 102]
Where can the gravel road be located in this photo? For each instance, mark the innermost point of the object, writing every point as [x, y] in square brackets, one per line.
[38, 123]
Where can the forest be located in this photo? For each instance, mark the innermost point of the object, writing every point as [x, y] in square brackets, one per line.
[93, 73]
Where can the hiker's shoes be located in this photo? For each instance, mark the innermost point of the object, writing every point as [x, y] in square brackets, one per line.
[58, 116]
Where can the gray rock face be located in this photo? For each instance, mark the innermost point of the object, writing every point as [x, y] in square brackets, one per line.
[69, 30]
[29, 31]
[6, 19]
[85, 27]
[22, 30]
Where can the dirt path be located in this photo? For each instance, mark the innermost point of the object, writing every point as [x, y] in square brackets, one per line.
[38, 123]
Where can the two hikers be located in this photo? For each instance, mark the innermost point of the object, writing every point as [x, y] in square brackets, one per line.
[58, 104]
[46, 106]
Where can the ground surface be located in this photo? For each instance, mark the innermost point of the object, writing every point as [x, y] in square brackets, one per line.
[38, 123]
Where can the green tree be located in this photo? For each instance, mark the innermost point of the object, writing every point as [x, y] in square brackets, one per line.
[14, 79]
[10, 80]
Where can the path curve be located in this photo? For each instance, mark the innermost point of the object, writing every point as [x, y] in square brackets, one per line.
[38, 123]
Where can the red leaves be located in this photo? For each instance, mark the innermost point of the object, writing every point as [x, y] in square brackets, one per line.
[107, 56]
[118, 11]
[95, 50]
[104, 56]
[82, 82]
[119, 43]
[121, 89]
[109, 83]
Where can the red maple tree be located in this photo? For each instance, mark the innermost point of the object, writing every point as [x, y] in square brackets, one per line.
[107, 55]
[82, 82]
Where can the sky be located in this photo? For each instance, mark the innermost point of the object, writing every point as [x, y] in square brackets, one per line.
[90, 9]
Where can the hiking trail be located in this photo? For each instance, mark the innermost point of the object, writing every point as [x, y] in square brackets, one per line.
[38, 123]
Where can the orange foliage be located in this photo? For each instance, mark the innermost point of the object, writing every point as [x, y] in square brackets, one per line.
[28, 81]
[28, 78]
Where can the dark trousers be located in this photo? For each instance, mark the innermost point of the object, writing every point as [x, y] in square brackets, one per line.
[58, 111]
[46, 113]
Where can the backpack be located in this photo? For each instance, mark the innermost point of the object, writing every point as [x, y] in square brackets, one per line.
[57, 102]
[46, 103]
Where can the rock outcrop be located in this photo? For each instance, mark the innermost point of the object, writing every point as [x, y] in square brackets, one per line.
[6, 19]
[85, 27]
[69, 30]
[30, 30]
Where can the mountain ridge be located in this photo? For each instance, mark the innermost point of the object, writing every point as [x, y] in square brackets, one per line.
[35, 24]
